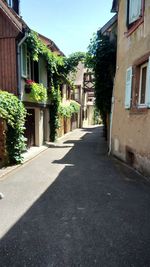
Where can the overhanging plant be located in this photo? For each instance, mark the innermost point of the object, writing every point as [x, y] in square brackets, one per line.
[69, 108]
[37, 91]
[75, 106]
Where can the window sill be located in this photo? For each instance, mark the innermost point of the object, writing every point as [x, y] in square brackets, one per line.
[138, 110]
[134, 27]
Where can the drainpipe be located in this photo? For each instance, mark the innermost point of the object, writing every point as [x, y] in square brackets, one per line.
[111, 120]
[19, 63]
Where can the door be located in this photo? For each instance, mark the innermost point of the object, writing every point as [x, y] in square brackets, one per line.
[30, 128]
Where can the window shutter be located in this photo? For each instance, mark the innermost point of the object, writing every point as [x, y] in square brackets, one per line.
[128, 88]
[135, 7]
[148, 85]
[24, 60]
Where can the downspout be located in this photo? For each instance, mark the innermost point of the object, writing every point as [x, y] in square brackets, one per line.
[111, 120]
[19, 63]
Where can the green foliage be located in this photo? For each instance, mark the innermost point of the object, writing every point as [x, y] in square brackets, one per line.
[34, 45]
[97, 118]
[71, 62]
[102, 58]
[68, 108]
[75, 106]
[55, 99]
[38, 92]
[59, 70]
[64, 110]
[13, 112]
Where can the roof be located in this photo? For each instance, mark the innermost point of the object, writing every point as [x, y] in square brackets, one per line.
[114, 6]
[50, 44]
[13, 16]
[109, 24]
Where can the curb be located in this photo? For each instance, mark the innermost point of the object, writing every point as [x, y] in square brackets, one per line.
[57, 144]
[9, 169]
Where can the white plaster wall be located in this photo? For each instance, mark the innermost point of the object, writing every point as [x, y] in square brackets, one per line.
[46, 125]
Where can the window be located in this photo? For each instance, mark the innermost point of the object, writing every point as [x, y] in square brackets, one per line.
[135, 13]
[135, 10]
[142, 85]
[35, 71]
[137, 91]
[68, 93]
[77, 93]
[24, 60]
[10, 3]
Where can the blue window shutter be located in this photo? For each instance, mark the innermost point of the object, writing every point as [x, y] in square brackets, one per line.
[148, 85]
[128, 88]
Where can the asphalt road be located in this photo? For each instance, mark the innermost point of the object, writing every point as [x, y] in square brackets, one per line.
[73, 206]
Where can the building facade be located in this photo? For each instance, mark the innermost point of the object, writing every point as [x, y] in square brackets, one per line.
[130, 133]
[84, 94]
[17, 68]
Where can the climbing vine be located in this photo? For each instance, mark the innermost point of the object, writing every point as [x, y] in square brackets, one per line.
[102, 58]
[59, 68]
[13, 112]
[55, 99]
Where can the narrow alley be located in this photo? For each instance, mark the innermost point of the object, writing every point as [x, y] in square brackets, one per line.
[74, 206]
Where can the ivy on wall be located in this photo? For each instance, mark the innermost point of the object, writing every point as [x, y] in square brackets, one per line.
[13, 112]
[102, 59]
[55, 99]
[59, 68]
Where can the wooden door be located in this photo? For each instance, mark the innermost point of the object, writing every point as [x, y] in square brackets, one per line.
[30, 128]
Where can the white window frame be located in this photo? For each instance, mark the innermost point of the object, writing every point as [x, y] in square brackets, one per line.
[24, 57]
[140, 105]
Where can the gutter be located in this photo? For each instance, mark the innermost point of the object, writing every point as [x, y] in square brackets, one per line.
[19, 64]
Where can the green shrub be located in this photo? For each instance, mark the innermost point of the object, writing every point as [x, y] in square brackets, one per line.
[68, 108]
[13, 112]
[37, 91]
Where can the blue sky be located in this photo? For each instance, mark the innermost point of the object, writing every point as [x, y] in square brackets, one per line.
[69, 23]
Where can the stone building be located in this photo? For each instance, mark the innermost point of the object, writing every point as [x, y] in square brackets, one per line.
[130, 130]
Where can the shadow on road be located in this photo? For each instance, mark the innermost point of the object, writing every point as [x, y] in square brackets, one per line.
[90, 216]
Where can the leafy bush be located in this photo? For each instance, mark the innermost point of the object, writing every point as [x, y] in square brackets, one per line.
[38, 91]
[13, 112]
[68, 108]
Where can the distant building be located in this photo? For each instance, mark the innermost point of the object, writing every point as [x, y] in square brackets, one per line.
[84, 94]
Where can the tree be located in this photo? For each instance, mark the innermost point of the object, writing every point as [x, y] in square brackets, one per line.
[101, 57]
